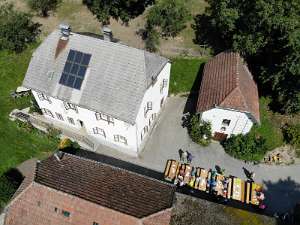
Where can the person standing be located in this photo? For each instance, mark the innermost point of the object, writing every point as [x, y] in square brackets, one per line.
[180, 152]
[189, 157]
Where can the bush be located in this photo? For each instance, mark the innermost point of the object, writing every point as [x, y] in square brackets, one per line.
[199, 130]
[67, 143]
[16, 29]
[53, 134]
[291, 135]
[250, 147]
[43, 6]
[27, 126]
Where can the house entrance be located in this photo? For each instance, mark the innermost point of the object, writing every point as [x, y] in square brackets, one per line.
[81, 123]
[161, 102]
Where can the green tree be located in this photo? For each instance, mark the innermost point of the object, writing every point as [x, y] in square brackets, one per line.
[291, 134]
[43, 6]
[169, 15]
[250, 147]
[16, 29]
[267, 33]
[118, 9]
[199, 130]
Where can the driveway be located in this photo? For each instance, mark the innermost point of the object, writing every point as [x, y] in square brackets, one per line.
[281, 182]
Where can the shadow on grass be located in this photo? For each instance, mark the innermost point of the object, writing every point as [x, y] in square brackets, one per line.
[191, 103]
[9, 183]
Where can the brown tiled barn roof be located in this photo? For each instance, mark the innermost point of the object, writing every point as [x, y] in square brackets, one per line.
[108, 186]
[228, 83]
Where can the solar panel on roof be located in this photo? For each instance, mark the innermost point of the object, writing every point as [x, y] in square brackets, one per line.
[75, 69]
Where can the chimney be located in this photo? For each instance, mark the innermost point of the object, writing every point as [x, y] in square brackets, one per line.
[107, 33]
[58, 155]
[65, 30]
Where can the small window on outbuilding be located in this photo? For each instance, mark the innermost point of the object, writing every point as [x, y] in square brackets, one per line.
[95, 223]
[225, 122]
[66, 213]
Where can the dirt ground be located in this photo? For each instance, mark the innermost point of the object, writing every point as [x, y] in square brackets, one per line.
[82, 20]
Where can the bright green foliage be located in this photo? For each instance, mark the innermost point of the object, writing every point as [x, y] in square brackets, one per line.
[291, 135]
[251, 146]
[118, 9]
[169, 15]
[186, 74]
[199, 130]
[267, 33]
[270, 128]
[43, 6]
[16, 29]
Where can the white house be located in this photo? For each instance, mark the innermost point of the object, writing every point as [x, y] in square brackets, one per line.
[108, 90]
[228, 96]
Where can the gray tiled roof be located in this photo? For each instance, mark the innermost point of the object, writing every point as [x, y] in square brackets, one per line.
[115, 82]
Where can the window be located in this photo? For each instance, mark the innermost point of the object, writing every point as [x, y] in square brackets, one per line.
[147, 108]
[43, 97]
[66, 213]
[121, 139]
[70, 106]
[107, 118]
[144, 131]
[100, 131]
[39, 204]
[223, 128]
[225, 122]
[55, 209]
[59, 116]
[163, 85]
[71, 121]
[94, 223]
[47, 112]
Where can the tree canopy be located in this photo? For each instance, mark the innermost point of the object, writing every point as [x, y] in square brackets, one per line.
[43, 6]
[169, 15]
[16, 29]
[118, 9]
[267, 33]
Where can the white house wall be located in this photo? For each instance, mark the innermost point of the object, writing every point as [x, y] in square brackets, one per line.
[89, 120]
[240, 123]
[153, 95]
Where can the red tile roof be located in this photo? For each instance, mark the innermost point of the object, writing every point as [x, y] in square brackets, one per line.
[118, 189]
[227, 83]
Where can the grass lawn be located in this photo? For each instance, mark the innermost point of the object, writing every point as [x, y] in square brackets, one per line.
[16, 144]
[269, 128]
[185, 72]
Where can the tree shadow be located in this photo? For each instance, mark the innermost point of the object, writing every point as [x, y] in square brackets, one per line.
[191, 103]
[282, 196]
[9, 183]
[206, 35]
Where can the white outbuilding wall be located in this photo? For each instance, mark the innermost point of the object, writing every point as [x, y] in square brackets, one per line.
[240, 122]
[85, 119]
